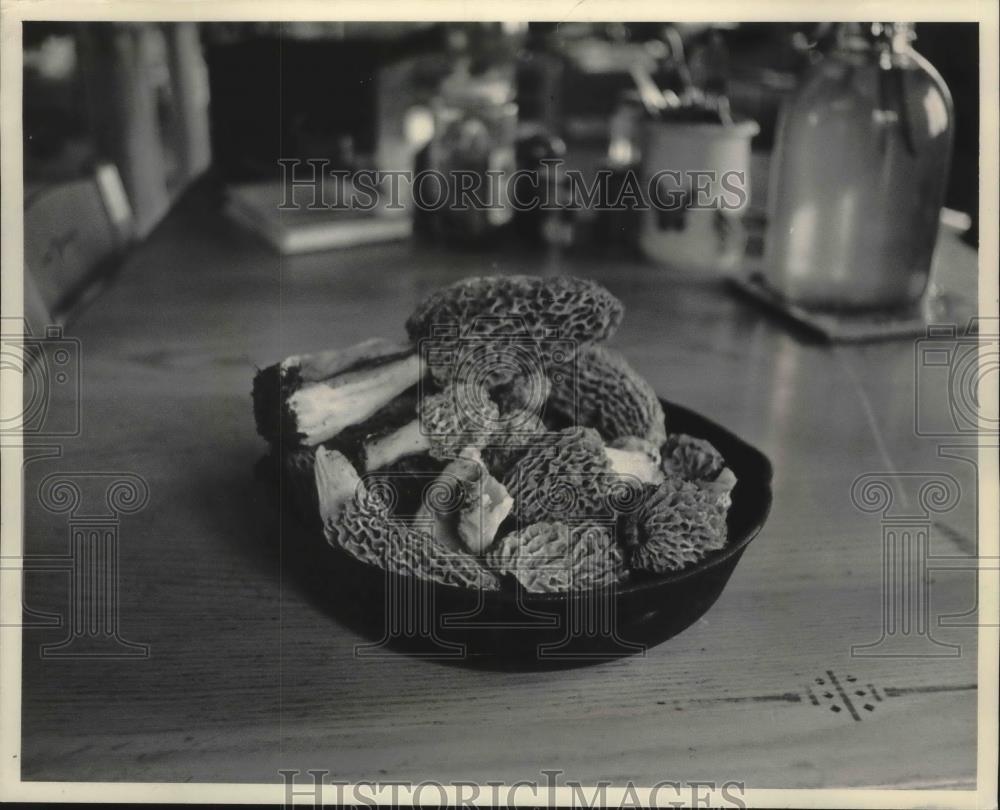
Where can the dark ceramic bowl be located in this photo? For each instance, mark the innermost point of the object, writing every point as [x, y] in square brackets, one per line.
[511, 628]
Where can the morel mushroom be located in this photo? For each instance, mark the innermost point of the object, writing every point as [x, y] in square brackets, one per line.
[470, 325]
[519, 431]
[691, 459]
[307, 399]
[357, 520]
[607, 394]
[577, 477]
[584, 310]
[554, 558]
[523, 392]
[466, 505]
[680, 522]
[460, 416]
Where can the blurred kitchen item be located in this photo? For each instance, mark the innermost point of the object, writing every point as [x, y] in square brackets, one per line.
[625, 131]
[147, 96]
[655, 100]
[702, 173]
[859, 175]
[617, 228]
[304, 90]
[953, 49]
[58, 143]
[536, 190]
[709, 64]
[296, 225]
[475, 129]
[595, 75]
[763, 65]
[539, 77]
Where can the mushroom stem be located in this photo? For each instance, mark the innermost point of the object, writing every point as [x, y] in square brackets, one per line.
[408, 440]
[635, 463]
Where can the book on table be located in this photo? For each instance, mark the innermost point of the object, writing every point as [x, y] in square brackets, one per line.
[302, 228]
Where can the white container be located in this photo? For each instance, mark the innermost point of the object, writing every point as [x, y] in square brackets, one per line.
[701, 171]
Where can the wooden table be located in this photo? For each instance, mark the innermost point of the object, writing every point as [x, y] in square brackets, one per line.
[246, 675]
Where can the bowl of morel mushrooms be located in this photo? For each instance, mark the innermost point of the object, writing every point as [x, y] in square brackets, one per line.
[502, 486]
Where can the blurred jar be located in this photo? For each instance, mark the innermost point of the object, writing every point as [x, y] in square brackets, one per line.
[475, 130]
[625, 131]
[539, 186]
[698, 175]
[859, 174]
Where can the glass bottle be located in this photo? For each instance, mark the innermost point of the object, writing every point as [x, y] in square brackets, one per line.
[475, 128]
[860, 168]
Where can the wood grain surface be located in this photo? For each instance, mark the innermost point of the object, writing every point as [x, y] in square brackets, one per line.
[246, 674]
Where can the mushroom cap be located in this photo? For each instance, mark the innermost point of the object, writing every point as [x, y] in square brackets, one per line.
[493, 329]
[367, 532]
[569, 478]
[604, 392]
[680, 522]
[459, 416]
[521, 430]
[552, 557]
[690, 458]
[579, 309]
[527, 391]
